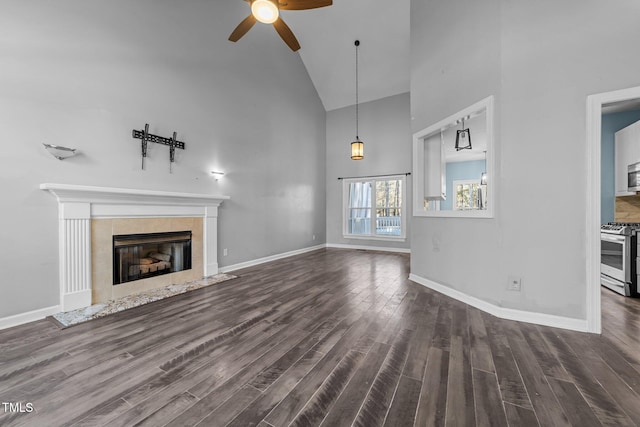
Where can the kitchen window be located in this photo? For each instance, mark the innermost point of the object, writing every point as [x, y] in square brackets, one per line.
[469, 194]
[374, 208]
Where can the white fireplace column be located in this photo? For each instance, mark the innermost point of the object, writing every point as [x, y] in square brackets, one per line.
[75, 255]
[79, 204]
[211, 240]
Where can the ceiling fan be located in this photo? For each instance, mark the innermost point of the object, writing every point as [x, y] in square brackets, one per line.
[268, 11]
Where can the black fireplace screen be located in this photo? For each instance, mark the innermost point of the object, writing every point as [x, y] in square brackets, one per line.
[138, 256]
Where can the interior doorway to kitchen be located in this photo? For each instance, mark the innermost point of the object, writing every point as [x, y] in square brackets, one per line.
[596, 104]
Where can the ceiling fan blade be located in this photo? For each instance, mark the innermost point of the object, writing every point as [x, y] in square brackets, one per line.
[242, 28]
[286, 34]
[303, 4]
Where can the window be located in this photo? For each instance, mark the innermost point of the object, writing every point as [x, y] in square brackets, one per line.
[469, 195]
[437, 162]
[374, 207]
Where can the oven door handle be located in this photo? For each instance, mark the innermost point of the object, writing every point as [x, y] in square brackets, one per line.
[614, 238]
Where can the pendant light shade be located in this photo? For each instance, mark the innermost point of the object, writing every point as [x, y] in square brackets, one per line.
[463, 138]
[357, 150]
[483, 176]
[357, 146]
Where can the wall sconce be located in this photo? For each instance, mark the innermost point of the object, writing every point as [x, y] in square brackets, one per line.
[60, 152]
[463, 138]
[217, 175]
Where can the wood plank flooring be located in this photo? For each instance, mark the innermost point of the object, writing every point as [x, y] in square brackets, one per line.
[329, 338]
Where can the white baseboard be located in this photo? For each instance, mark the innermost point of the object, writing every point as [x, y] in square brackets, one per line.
[30, 316]
[502, 312]
[369, 248]
[259, 261]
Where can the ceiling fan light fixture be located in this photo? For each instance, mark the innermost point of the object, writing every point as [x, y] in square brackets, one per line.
[265, 11]
[268, 12]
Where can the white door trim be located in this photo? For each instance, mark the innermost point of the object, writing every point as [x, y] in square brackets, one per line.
[594, 129]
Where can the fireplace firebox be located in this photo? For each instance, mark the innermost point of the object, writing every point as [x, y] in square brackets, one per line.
[139, 256]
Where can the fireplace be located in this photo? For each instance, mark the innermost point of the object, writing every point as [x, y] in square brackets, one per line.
[89, 217]
[132, 255]
[140, 256]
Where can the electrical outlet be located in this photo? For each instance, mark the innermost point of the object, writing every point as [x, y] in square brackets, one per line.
[313, 237]
[225, 252]
[514, 283]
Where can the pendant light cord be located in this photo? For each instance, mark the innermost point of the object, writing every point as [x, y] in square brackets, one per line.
[357, 43]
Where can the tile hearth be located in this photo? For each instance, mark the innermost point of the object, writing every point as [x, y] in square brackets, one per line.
[74, 317]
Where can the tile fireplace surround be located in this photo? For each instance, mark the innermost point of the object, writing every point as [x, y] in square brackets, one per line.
[83, 208]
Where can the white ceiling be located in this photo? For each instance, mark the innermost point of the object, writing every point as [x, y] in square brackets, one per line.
[327, 38]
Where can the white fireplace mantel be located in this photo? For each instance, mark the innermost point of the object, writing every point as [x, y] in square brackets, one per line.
[78, 204]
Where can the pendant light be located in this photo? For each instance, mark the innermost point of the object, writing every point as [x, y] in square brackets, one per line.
[463, 138]
[483, 176]
[357, 146]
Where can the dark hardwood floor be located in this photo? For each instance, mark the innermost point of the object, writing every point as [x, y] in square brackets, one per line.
[329, 338]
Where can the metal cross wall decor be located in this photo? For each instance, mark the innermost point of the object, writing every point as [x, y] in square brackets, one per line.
[146, 137]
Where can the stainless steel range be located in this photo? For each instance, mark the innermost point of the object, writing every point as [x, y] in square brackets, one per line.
[619, 257]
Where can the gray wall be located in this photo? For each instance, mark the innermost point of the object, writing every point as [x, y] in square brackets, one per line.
[385, 129]
[541, 60]
[84, 74]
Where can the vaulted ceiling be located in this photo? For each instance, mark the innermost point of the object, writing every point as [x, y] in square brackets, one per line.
[327, 38]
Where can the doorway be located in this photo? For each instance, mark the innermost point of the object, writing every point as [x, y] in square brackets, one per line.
[595, 105]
